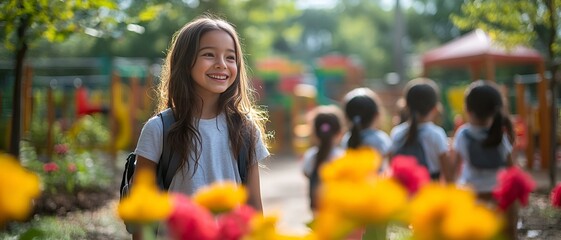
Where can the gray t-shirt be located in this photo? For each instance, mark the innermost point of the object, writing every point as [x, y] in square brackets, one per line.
[433, 139]
[481, 180]
[374, 138]
[216, 162]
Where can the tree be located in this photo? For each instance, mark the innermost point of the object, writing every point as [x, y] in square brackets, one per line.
[23, 22]
[514, 22]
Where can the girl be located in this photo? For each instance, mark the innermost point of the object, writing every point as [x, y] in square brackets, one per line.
[204, 83]
[486, 121]
[363, 109]
[328, 130]
[488, 127]
[421, 100]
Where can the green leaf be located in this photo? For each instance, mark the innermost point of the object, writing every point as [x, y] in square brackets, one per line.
[31, 234]
[150, 13]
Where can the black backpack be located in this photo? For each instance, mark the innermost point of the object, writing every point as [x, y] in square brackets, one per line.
[414, 148]
[169, 162]
[483, 157]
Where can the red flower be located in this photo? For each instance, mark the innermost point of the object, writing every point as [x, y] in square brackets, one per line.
[233, 225]
[556, 196]
[190, 221]
[71, 167]
[50, 167]
[513, 183]
[409, 173]
[61, 149]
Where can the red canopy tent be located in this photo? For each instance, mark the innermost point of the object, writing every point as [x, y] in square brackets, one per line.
[477, 51]
[481, 55]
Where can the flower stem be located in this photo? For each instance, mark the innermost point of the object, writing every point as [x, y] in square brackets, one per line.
[375, 232]
[148, 232]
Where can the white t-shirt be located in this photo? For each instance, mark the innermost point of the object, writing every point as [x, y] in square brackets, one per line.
[216, 162]
[432, 138]
[309, 158]
[481, 180]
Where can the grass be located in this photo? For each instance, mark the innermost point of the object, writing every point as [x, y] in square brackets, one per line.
[45, 227]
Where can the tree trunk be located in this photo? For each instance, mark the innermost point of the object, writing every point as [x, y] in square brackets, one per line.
[554, 114]
[553, 91]
[21, 50]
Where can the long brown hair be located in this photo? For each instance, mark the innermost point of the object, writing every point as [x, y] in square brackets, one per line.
[177, 91]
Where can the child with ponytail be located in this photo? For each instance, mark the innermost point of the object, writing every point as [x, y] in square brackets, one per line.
[487, 126]
[482, 146]
[327, 130]
[363, 109]
[419, 136]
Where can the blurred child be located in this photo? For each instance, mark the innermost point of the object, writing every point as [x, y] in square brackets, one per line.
[363, 109]
[419, 136]
[327, 131]
[482, 146]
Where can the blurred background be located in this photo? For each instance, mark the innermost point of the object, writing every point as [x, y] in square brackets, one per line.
[77, 78]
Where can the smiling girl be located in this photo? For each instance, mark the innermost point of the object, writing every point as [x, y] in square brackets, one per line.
[204, 84]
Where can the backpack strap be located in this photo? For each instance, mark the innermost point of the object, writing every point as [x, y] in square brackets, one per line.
[169, 162]
[243, 159]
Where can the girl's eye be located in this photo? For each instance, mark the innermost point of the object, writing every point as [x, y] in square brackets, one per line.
[233, 58]
[207, 55]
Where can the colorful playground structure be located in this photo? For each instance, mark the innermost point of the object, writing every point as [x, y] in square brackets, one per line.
[291, 89]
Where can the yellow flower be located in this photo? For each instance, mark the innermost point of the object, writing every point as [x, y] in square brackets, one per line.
[368, 202]
[146, 203]
[471, 223]
[221, 196]
[354, 166]
[330, 224]
[264, 227]
[18, 187]
[446, 212]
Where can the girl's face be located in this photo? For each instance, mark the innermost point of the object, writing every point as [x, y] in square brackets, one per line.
[215, 66]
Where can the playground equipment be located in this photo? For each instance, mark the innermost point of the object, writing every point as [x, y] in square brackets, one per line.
[290, 93]
[530, 97]
[62, 90]
[130, 102]
[278, 78]
[477, 52]
[336, 75]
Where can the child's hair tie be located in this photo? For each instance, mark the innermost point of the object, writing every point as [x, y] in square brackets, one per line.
[356, 119]
[324, 127]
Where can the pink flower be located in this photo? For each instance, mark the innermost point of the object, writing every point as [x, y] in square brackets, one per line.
[71, 167]
[50, 167]
[409, 173]
[556, 196]
[513, 183]
[61, 149]
[235, 224]
[190, 221]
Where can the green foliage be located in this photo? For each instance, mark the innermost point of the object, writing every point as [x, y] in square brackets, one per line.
[88, 133]
[51, 20]
[68, 170]
[513, 22]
